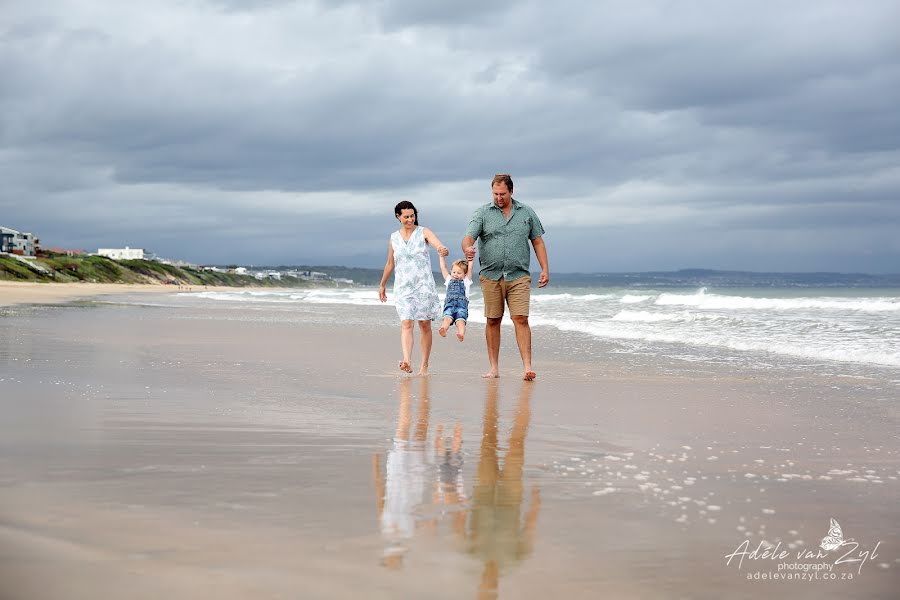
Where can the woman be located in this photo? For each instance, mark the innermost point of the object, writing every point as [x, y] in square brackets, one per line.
[414, 292]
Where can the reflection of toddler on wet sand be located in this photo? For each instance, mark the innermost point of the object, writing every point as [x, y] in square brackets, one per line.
[449, 488]
[456, 305]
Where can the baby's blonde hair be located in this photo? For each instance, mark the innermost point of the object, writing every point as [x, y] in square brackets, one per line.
[462, 264]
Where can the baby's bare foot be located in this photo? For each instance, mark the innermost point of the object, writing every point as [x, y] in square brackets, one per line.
[443, 331]
[460, 336]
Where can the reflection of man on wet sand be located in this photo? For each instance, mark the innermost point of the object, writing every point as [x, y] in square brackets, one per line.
[494, 534]
[406, 484]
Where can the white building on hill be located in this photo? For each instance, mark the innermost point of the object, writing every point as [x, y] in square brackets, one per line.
[125, 253]
[16, 242]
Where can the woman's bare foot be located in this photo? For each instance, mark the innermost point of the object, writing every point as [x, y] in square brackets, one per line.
[529, 376]
[404, 366]
[423, 370]
[492, 374]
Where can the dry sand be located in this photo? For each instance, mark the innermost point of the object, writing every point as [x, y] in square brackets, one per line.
[16, 292]
[181, 453]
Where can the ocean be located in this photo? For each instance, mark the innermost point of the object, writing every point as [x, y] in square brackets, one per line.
[830, 330]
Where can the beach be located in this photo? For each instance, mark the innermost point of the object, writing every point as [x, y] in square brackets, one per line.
[174, 445]
[15, 292]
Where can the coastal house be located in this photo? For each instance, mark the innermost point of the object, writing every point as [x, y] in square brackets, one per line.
[17, 242]
[125, 253]
[314, 275]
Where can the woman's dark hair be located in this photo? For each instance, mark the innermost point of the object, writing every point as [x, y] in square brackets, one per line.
[404, 204]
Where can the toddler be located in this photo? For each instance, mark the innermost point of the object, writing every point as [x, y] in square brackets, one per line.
[456, 306]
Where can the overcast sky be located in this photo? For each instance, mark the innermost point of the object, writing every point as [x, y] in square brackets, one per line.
[647, 135]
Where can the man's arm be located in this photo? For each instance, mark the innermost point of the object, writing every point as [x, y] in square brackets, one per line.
[468, 248]
[472, 233]
[540, 250]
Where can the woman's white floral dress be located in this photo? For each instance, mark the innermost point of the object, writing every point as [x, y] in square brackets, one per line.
[415, 294]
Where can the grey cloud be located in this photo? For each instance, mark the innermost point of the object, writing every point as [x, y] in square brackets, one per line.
[720, 106]
[397, 14]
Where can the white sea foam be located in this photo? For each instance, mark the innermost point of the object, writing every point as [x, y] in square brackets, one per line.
[800, 348]
[703, 300]
[569, 298]
[316, 296]
[817, 327]
[642, 316]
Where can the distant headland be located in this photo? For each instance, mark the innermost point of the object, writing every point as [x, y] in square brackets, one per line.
[63, 268]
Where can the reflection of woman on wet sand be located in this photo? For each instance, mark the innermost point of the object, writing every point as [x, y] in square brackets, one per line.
[407, 475]
[494, 534]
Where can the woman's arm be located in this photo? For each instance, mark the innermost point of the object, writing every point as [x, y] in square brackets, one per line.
[432, 239]
[388, 269]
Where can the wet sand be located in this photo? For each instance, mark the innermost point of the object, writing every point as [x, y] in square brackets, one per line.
[153, 452]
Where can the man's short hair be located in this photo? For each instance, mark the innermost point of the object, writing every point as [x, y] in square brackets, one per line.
[503, 178]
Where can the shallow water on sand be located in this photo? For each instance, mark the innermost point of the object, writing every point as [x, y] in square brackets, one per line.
[150, 450]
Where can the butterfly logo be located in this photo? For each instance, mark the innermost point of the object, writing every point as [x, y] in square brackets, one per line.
[834, 539]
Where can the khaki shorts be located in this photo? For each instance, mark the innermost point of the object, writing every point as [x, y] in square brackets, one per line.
[516, 293]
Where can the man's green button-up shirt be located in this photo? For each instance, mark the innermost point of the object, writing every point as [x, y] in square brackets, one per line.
[503, 246]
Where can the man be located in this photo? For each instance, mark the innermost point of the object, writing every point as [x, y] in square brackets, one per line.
[504, 227]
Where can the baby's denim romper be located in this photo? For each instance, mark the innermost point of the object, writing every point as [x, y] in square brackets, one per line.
[456, 305]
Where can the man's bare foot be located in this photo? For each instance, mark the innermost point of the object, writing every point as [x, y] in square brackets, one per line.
[492, 374]
[404, 366]
[460, 335]
[529, 376]
[443, 331]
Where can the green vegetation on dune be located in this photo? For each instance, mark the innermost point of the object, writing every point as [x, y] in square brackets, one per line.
[10, 268]
[94, 269]
[99, 269]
